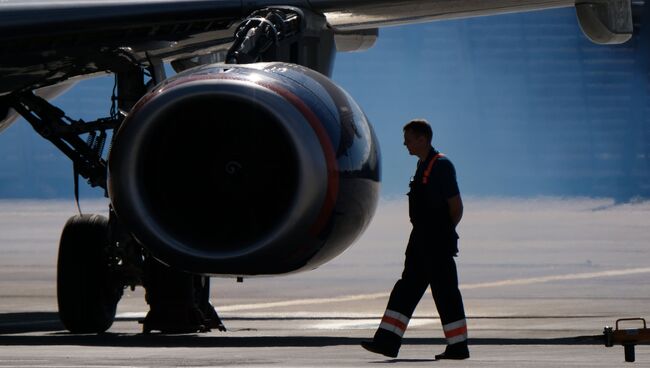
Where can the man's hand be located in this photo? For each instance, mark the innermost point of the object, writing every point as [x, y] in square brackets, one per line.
[455, 209]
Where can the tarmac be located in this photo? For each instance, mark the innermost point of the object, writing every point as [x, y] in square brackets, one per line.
[541, 278]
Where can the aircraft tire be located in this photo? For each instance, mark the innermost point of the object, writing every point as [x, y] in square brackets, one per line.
[87, 301]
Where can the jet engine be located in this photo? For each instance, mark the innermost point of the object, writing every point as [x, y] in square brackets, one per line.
[245, 170]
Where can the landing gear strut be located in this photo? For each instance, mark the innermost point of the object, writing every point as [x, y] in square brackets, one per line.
[98, 257]
[180, 302]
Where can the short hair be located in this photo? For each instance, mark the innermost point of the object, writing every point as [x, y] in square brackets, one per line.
[419, 127]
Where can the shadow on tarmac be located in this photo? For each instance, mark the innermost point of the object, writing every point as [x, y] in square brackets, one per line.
[395, 361]
[13, 324]
[207, 341]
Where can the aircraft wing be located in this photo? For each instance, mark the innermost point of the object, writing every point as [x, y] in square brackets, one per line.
[367, 14]
[43, 42]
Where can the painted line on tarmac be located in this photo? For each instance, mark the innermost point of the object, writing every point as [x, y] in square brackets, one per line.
[290, 303]
[569, 277]
[481, 285]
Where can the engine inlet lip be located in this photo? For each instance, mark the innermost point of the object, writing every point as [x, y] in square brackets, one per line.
[136, 210]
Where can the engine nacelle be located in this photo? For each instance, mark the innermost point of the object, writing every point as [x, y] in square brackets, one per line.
[245, 170]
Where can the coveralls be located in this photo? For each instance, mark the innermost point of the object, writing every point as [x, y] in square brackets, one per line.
[429, 257]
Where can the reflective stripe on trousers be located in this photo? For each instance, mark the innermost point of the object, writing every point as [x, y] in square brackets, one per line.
[455, 332]
[394, 322]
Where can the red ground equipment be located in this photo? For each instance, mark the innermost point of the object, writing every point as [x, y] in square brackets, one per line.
[629, 337]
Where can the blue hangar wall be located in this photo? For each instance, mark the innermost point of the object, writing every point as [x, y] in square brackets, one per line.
[522, 103]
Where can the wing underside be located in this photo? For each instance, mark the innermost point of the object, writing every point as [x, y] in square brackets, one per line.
[45, 42]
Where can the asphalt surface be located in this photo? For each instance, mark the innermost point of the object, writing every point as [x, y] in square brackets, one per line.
[540, 279]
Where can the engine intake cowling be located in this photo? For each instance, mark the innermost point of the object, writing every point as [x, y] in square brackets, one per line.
[245, 170]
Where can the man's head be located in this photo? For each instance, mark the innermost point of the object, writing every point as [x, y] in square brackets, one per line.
[417, 137]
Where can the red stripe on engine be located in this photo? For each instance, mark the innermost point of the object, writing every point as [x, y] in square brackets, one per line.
[328, 151]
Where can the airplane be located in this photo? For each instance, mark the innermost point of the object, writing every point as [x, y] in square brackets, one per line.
[249, 161]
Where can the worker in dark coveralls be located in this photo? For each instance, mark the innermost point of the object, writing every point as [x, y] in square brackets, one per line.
[435, 208]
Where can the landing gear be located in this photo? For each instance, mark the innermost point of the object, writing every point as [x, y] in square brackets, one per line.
[98, 258]
[179, 301]
[87, 294]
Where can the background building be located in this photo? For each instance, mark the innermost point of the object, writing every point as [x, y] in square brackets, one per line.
[524, 105]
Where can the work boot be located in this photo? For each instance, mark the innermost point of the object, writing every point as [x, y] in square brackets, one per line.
[458, 351]
[379, 348]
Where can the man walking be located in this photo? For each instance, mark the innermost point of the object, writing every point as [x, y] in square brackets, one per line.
[435, 208]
